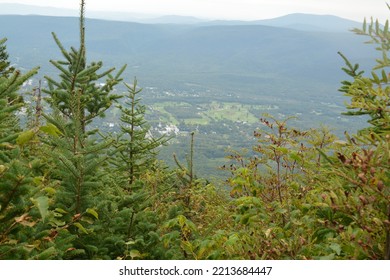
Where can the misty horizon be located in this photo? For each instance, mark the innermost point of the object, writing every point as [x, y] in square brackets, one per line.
[27, 9]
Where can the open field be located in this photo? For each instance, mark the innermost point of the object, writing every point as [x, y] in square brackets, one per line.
[205, 113]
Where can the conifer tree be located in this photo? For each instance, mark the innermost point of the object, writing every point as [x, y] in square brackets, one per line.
[15, 173]
[133, 172]
[77, 99]
[5, 68]
[135, 146]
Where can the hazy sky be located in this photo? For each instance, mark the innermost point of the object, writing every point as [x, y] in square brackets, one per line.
[230, 9]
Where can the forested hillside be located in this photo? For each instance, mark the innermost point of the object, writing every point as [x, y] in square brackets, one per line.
[69, 190]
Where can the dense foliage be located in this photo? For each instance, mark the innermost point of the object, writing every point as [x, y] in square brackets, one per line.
[70, 191]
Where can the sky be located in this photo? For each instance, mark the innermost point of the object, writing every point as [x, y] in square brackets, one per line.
[230, 9]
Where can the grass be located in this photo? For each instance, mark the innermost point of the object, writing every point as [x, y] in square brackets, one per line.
[204, 113]
[230, 111]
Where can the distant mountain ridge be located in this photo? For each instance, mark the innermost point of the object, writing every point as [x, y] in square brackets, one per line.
[235, 55]
[297, 21]
[23, 9]
[175, 19]
[311, 22]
